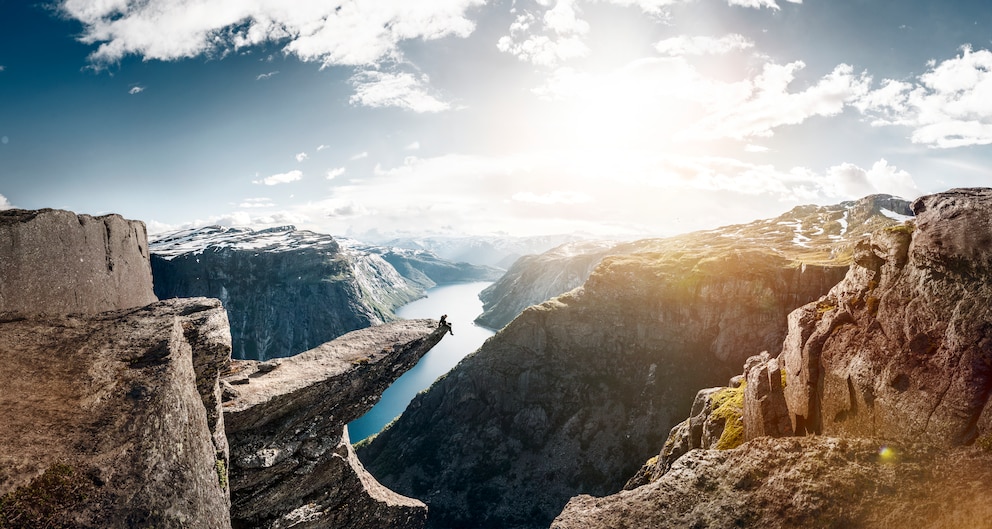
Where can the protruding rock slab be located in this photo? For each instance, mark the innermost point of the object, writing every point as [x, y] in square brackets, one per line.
[110, 402]
[794, 482]
[291, 462]
[58, 262]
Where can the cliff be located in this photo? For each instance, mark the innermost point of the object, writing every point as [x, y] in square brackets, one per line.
[895, 363]
[534, 279]
[113, 419]
[576, 393]
[59, 262]
[291, 461]
[285, 290]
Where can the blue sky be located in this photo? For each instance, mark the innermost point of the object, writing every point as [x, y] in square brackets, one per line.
[606, 117]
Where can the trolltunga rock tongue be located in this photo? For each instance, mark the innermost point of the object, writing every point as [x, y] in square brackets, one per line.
[292, 463]
[58, 262]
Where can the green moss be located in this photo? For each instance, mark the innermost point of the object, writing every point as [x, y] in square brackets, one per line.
[48, 502]
[907, 227]
[784, 378]
[984, 442]
[221, 473]
[728, 405]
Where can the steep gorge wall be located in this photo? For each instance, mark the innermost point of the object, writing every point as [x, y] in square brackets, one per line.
[576, 393]
[282, 303]
[58, 262]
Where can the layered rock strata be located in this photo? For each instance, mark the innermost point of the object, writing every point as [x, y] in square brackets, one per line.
[113, 419]
[58, 262]
[291, 462]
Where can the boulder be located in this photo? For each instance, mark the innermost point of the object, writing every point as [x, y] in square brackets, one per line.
[113, 419]
[765, 411]
[58, 262]
[291, 462]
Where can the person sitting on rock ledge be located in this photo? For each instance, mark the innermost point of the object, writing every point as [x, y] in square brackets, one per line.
[445, 323]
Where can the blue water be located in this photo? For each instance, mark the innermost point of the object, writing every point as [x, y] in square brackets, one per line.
[461, 303]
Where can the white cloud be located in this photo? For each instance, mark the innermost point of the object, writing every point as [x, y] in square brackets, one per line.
[561, 40]
[850, 181]
[554, 197]
[685, 45]
[322, 147]
[136, 90]
[256, 203]
[5, 204]
[413, 146]
[300, 156]
[263, 76]
[756, 107]
[334, 173]
[359, 156]
[356, 32]
[281, 178]
[755, 148]
[758, 4]
[948, 106]
[374, 88]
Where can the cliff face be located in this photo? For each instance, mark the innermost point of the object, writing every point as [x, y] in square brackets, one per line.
[58, 262]
[113, 420]
[285, 290]
[902, 348]
[291, 460]
[537, 278]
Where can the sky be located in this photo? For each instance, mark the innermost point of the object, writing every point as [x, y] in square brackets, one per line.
[381, 118]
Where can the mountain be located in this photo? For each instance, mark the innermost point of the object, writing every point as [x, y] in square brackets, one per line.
[806, 234]
[575, 393]
[424, 268]
[881, 396]
[493, 250]
[289, 290]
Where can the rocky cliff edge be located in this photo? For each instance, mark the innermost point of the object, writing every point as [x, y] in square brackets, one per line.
[292, 463]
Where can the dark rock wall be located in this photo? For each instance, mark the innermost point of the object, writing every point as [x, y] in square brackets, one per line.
[58, 262]
[576, 393]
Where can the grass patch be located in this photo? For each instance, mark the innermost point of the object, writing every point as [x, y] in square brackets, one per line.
[728, 404]
[48, 502]
[984, 442]
[907, 227]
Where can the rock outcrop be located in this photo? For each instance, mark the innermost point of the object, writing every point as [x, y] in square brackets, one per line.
[113, 419]
[291, 462]
[794, 482]
[58, 262]
[534, 279]
[902, 348]
[285, 290]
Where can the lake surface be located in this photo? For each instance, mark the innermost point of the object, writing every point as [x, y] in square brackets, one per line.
[461, 303]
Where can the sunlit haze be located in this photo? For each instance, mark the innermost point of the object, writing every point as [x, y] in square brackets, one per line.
[371, 118]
